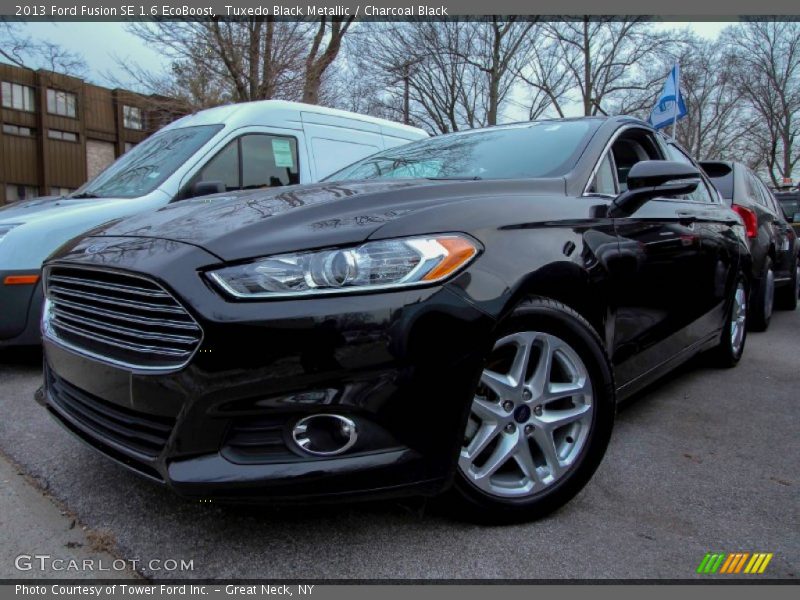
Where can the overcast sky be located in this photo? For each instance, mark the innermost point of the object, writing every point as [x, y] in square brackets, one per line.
[100, 43]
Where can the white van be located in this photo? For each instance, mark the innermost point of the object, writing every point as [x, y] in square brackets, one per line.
[240, 146]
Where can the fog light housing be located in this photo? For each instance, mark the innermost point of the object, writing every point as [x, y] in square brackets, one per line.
[325, 434]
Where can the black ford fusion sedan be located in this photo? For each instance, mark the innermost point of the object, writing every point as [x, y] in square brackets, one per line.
[457, 315]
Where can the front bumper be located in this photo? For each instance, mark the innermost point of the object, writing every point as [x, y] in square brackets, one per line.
[401, 365]
[20, 311]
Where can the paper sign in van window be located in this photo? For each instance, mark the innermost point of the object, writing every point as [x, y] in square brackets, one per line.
[282, 151]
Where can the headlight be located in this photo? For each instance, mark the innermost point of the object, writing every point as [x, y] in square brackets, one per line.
[6, 227]
[375, 265]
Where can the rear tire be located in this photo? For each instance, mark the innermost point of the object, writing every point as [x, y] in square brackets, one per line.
[734, 334]
[786, 297]
[541, 418]
[762, 299]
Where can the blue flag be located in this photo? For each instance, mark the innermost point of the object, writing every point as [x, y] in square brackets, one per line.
[666, 111]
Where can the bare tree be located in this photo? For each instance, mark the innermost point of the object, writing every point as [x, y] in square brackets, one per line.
[318, 59]
[592, 61]
[768, 57]
[22, 50]
[258, 58]
[497, 49]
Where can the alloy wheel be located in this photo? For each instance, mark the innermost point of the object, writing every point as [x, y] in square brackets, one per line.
[738, 318]
[530, 417]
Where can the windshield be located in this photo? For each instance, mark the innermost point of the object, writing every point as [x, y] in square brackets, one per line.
[538, 149]
[147, 165]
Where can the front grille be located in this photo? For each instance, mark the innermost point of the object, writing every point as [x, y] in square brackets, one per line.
[137, 435]
[122, 318]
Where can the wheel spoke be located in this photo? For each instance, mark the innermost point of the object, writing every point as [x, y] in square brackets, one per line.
[544, 439]
[486, 410]
[525, 461]
[501, 453]
[519, 366]
[541, 375]
[555, 419]
[500, 384]
[485, 434]
[557, 391]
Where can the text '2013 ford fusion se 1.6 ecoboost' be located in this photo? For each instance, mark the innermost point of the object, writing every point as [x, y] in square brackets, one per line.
[455, 316]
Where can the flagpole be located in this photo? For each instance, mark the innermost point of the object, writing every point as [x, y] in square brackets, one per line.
[677, 99]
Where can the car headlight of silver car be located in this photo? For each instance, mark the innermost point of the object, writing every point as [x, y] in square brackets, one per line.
[382, 264]
[6, 227]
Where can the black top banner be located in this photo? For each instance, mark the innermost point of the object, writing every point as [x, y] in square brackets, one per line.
[88, 10]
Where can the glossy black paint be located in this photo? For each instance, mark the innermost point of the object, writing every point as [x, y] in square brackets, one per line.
[402, 364]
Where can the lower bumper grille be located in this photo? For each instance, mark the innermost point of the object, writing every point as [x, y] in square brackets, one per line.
[113, 429]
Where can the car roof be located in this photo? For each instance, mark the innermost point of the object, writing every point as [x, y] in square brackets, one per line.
[284, 113]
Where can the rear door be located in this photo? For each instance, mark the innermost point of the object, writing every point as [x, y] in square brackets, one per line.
[335, 142]
[784, 236]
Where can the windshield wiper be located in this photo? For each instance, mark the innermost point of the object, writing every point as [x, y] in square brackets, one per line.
[476, 178]
[85, 195]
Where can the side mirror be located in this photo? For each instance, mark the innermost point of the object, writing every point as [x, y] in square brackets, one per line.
[205, 188]
[650, 179]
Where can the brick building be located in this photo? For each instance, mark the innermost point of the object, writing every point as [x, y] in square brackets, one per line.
[56, 131]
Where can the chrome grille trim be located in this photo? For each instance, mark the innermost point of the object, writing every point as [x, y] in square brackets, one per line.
[117, 317]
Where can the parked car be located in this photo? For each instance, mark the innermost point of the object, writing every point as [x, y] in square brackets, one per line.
[790, 203]
[773, 242]
[240, 146]
[461, 313]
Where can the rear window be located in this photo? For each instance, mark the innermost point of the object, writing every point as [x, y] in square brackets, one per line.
[722, 178]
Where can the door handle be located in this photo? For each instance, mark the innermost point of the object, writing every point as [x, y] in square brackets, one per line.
[687, 218]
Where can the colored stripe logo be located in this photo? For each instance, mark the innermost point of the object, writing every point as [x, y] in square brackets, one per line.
[734, 563]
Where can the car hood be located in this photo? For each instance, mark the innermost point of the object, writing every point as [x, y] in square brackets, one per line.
[28, 211]
[260, 222]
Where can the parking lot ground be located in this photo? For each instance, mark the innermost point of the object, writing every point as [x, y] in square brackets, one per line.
[43, 528]
[706, 460]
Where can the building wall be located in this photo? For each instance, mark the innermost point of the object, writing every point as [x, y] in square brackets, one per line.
[41, 164]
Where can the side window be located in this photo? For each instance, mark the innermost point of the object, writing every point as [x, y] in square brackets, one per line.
[702, 192]
[751, 187]
[604, 181]
[772, 202]
[762, 196]
[268, 161]
[253, 161]
[223, 167]
[630, 148]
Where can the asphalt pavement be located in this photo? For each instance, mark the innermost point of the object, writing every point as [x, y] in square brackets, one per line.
[706, 460]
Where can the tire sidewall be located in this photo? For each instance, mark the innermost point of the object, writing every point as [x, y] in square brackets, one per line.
[550, 317]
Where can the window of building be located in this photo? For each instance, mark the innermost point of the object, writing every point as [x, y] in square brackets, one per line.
[15, 192]
[61, 103]
[132, 117]
[66, 136]
[17, 96]
[17, 130]
[60, 191]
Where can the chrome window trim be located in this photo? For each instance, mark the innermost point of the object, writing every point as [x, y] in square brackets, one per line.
[606, 148]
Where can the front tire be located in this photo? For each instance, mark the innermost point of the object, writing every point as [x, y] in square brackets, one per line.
[541, 418]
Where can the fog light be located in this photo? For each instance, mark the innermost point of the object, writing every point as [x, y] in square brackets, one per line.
[324, 435]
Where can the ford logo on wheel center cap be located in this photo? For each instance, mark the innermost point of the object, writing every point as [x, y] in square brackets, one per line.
[522, 413]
